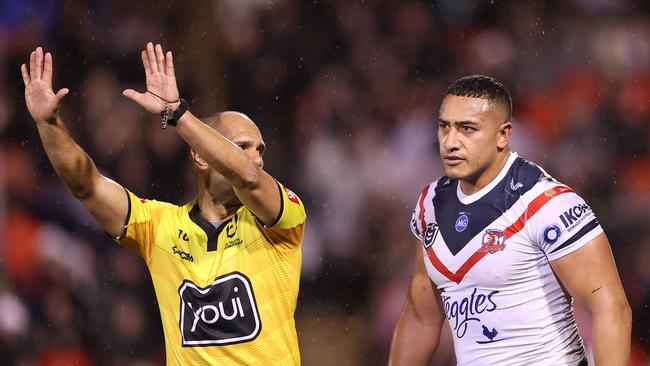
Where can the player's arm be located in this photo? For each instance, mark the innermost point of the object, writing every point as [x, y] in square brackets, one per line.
[418, 329]
[590, 276]
[105, 199]
[257, 190]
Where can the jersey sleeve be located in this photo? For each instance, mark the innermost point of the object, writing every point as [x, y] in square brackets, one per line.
[563, 225]
[139, 228]
[416, 225]
[288, 228]
[417, 218]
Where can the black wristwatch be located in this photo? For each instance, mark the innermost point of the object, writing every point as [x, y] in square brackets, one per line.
[184, 107]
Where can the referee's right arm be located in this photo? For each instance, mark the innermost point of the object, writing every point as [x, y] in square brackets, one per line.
[418, 329]
[105, 199]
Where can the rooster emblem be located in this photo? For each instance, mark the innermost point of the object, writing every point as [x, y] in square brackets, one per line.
[489, 334]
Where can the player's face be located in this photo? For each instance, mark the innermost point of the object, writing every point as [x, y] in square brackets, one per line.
[469, 136]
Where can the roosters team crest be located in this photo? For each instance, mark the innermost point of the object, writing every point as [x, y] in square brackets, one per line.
[493, 241]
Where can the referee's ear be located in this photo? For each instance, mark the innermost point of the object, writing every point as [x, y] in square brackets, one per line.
[198, 161]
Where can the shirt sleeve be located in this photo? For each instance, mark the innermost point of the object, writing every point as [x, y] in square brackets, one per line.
[288, 228]
[139, 228]
[416, 228]
[418, 222]
[563, 225]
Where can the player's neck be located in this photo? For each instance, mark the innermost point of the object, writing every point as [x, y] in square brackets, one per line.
[214, 209]
[484, 178]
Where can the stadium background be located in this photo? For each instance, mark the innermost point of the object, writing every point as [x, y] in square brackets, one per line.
[345, 93]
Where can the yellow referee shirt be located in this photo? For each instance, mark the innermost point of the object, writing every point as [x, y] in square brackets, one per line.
[227, 296]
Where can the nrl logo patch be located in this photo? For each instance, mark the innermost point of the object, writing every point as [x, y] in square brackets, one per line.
[430, 235]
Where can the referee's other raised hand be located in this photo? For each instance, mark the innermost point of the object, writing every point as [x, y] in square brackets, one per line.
[161, 81]
[42, 103]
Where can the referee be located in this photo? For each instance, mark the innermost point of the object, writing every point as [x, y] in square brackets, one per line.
[225, 266]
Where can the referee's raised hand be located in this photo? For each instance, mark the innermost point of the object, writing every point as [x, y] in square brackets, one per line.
[160, 78]
[42, 103]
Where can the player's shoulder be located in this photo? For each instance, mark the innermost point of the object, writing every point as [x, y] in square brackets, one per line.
[527, 174]
[533, 179]
[437, 187]
[430, 193]
[547, 192]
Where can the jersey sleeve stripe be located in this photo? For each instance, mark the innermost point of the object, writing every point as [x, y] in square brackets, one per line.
[534, 206]
[584, 231]
[423, 224]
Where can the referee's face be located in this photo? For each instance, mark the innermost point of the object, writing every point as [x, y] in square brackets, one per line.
[245, 134]
[241, 131]
[470, 137]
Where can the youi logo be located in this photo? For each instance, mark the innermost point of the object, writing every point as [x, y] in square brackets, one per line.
[463, 311]
[225, 312]
[461, 223]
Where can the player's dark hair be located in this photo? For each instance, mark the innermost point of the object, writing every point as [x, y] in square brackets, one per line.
[484, 87]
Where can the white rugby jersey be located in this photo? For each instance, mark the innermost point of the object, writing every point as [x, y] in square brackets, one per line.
[489, 255]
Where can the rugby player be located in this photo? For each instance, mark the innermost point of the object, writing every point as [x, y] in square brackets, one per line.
[502, 251]
[225, 266]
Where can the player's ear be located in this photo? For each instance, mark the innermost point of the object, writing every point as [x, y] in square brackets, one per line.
[504, 134]
[198, 160]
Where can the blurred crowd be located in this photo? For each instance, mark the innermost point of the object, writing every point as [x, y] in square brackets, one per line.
[346, 96]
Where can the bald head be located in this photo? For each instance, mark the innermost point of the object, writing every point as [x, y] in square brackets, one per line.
[241, 130]
[221, 121]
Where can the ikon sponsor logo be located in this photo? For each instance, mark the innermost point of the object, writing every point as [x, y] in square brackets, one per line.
[223, 313]
[574, 215]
